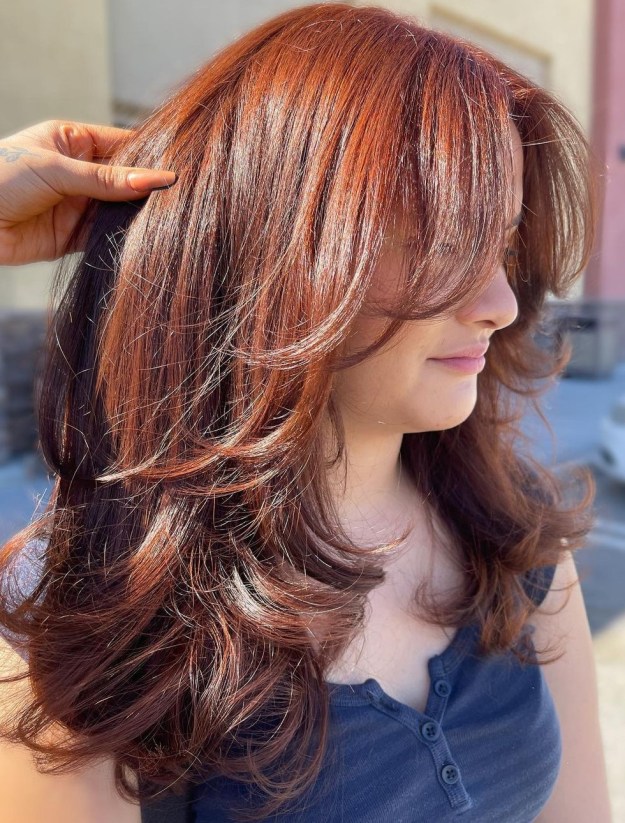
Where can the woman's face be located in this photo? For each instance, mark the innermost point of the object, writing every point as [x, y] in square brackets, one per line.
[422, 379]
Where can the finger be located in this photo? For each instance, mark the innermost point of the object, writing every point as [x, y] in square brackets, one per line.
[105, 139]
[86, 141]
[106, 182]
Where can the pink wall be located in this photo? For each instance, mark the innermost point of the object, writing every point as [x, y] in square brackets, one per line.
[605, 276]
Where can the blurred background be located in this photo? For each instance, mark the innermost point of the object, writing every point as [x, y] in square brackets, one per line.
[112, 61]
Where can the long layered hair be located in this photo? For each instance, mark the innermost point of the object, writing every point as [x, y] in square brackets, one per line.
[190, 540]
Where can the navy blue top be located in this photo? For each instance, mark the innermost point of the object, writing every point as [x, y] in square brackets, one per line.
[487, 749]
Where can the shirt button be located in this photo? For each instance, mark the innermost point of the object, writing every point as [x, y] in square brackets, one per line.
[430, 730]
[441, 687]
[450, 774]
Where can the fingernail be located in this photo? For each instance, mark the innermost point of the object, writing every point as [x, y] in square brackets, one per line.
[151, 180]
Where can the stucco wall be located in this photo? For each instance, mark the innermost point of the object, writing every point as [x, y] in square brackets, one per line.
[149, 60]
[606, 271]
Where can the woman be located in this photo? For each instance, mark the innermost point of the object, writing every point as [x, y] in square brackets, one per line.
[294, 541]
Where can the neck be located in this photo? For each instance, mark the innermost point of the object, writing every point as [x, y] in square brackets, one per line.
[368, 480]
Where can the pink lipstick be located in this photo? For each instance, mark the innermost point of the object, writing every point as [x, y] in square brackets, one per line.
[470, 360]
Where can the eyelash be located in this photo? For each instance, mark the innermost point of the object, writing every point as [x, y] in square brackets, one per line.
[510, 255]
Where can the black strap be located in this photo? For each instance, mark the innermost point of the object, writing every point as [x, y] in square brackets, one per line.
[537, 582]
[168, 808]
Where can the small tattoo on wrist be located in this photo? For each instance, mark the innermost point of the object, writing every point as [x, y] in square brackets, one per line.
[13, 153]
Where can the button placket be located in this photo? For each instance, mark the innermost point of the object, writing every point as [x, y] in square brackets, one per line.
[440, 690]
[448, 772]
[432, 733]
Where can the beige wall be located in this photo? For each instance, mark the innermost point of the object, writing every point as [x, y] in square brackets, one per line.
[53, 64]
[148, 61]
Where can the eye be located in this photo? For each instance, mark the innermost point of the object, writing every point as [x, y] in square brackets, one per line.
[510, 260]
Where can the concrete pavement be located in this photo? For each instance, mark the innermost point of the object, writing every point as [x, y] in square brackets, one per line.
[573, 407]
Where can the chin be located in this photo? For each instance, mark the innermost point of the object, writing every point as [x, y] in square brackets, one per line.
[449, 424]
[450, 421]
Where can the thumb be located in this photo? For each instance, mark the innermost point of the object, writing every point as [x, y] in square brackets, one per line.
[106, 182]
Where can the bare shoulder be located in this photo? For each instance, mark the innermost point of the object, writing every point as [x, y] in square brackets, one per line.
[26, 796]
[562, 606]
[581, 792]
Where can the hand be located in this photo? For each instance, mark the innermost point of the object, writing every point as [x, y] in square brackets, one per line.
[48, 172]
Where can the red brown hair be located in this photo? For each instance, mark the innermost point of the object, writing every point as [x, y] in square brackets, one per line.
[190, 539]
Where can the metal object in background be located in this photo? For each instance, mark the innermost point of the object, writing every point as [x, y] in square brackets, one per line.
[596, 330]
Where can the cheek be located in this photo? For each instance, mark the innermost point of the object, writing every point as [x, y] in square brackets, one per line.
[399, 387]
[360, 386]
[386, 377]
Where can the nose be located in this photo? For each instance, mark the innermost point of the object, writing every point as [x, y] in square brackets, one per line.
[495, 307]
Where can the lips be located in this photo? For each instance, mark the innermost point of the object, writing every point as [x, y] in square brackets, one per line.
[470, 360]
[471, 352]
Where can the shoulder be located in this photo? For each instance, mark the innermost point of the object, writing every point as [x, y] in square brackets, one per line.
[560, 617]
[557, 591]
[562, 628]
